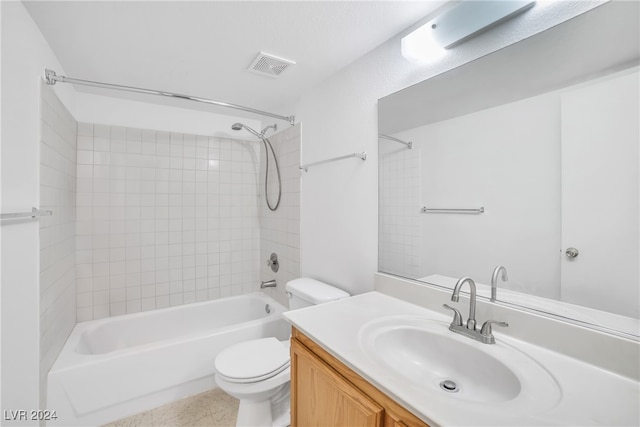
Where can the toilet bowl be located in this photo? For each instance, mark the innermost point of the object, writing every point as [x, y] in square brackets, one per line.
[257, 372]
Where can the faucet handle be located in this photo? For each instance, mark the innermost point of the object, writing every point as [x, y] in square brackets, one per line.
[486, 327]
[457, 317]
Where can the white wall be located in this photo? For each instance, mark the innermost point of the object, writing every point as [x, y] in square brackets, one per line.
[113, 111]
[600, 134]
[504, 161]
[339, 203]
[0, 226]
[25, 54]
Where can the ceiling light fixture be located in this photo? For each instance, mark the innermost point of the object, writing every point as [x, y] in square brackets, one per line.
[460, 23]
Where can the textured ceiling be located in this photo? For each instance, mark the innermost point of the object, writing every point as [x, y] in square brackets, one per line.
[204, 48]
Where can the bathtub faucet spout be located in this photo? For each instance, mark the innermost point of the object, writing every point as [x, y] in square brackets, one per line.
[268, 284]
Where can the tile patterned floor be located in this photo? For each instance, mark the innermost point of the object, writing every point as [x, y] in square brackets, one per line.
[213, 408]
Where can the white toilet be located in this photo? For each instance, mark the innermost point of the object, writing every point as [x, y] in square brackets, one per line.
[257, 372]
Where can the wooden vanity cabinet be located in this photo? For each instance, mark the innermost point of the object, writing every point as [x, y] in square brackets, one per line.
[325, 393]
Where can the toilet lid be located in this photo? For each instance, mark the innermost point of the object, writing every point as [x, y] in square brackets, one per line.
[253, 360]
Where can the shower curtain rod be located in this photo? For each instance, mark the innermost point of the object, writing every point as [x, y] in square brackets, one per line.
[51, 77]
[391, 138]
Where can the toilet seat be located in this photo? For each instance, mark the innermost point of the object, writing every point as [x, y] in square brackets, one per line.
[253, 361]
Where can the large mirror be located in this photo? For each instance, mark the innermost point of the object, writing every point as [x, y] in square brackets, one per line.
[527, 158]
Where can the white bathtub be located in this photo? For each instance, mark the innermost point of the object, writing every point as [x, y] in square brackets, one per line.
[119, 366]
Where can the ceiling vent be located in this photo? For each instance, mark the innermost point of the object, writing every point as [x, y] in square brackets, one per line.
[269, 65]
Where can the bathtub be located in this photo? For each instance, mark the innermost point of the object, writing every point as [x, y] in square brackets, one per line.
[119, 366]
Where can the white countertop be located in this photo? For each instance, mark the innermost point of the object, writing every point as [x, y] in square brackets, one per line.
[589, 395]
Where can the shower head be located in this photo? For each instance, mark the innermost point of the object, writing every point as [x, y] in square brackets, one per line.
[238, 126]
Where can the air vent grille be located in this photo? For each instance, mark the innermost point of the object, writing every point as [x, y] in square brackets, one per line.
[269, 65]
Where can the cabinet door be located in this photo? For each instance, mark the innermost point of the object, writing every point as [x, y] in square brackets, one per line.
[322, 397]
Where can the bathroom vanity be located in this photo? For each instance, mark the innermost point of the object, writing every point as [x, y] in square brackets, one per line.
[324, 391]
[388, 358]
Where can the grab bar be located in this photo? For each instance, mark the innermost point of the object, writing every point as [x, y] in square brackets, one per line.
[362, 156]
[425, 209]
[35, 213]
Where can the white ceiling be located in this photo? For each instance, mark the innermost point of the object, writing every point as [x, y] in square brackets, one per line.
[203, 48]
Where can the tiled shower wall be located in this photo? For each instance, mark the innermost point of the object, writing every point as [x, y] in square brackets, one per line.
[163, 219]
[399, 205]
[280, 229]
[57, 232]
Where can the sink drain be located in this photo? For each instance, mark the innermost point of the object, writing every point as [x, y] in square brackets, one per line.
[449, 386]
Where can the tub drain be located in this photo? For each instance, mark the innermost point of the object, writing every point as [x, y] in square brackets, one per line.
[267, 308]
[449, 386]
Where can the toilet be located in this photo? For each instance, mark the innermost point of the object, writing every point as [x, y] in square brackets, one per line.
[257, 373]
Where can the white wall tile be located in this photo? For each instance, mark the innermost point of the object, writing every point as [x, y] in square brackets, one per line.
[149, 206]
[60, 161]
[280, 229]
[399, 221]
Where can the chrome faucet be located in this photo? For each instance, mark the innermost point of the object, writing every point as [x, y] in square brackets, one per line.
[494, 281]
[485, 334]
[455, 297]
[268, 284]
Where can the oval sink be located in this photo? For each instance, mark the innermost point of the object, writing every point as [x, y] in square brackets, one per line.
[424, 353]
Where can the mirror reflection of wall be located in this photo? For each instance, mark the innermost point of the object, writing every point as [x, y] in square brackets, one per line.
[555, 167]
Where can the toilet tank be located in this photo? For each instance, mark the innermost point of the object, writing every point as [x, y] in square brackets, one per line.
[305, 292]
